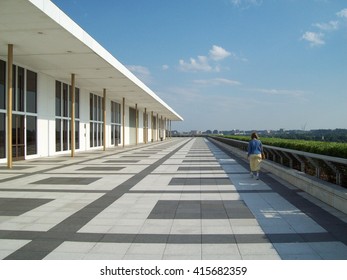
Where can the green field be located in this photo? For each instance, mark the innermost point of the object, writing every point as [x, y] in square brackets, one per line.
[333, 149]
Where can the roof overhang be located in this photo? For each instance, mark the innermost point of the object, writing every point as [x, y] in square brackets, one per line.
[47, 40]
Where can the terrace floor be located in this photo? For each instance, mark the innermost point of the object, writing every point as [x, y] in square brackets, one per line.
[181, 199]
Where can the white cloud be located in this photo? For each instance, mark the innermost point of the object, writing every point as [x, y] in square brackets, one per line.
[199, 64]
[342, 13]
[206, 63]
[165, 67]
[217, 81]
[246, 3]
[218, 53]
[329, 26]
[314, 38]
[294, 93]
[141, 72]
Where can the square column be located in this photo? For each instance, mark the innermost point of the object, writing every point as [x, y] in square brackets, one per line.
[104, 114]
[72, 133]
[9, 104]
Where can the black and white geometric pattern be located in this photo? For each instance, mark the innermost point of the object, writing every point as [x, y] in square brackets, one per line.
[184, 198]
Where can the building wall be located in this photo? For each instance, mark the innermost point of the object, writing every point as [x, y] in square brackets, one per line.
[46, 119]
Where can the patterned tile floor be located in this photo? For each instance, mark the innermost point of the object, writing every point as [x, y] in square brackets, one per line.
[182, 199]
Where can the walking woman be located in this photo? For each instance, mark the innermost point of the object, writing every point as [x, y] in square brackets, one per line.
[255, 149]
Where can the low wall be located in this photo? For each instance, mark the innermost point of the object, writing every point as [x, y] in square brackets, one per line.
[331, 194]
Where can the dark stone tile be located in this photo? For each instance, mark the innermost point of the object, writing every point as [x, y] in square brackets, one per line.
[164, 210]
[319, 237]
[200, 156]
[199, 160]
[41, 245]
[251, 238]
[135, 156]
[213, 209]
[16, 167]
[18, 206]
[199, 168]
[177, 181]
[27, 255]
[151, 238]
[86, 237]
[48, 160]
[218, 239]
[121, 161]
[26, 235]
[201, 181]
[238, 210]
[67, 181]
[102, 168]
[197, 209]
[184, 239]
[188, 210]
[119, 238]
[285, 238]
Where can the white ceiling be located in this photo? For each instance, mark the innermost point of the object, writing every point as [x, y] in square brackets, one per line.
[48, 41]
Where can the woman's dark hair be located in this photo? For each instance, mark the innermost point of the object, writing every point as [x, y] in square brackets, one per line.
[254, 135]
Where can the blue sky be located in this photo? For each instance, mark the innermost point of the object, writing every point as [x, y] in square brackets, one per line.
[231, 64]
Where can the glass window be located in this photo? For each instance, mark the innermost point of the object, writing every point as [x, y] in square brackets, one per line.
[91, 106]
[77, 103]
[91, 133]
[57, 98]
[95, 135]
[112, 134]
[154, 123]
[63, 106]
[113, 112]
[96, 120]
[99, 109]
[31, 93]
[132, 117]
[14, 86]
[118, 114]
[31, 135]
[118, 134]
[57, 135]
[2, 135]
[95, 108]
[2, 84]
[115, 134]
[77, 134]
[101, 134]
[65, 101]
[65, 135]
[115, 123]
[20, 91]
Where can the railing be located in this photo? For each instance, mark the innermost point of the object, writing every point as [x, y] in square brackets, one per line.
[327, 168]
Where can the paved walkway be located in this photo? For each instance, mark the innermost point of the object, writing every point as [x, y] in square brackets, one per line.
[184, 198]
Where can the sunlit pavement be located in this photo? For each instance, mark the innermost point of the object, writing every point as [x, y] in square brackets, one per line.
[183, 198]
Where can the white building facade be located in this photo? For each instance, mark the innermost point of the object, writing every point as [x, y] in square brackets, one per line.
[61, 92]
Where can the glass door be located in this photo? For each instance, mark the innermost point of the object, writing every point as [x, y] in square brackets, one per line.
[18, 143]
